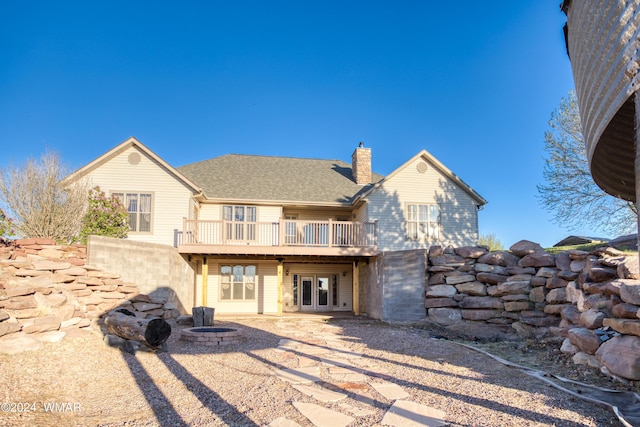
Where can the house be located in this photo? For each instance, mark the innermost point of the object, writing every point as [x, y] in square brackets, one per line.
[270, 234]
[580, 240]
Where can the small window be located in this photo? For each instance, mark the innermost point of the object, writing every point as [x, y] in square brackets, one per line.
[423, 222]
[238, 282]
[139, 206]
[334, 286]
[295, 290]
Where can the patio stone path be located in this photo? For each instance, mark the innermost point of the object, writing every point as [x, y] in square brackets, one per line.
[317, 351]
[321, 416]
[411, 414]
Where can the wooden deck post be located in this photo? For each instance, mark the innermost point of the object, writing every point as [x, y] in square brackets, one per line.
[280, 287]
[205, 281]
[356, 289]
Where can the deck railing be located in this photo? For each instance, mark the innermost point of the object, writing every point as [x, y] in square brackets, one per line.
[283, 233]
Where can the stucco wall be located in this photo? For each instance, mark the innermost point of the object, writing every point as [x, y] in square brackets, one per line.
[156, 269]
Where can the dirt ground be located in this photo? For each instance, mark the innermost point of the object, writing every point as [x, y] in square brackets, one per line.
[192, 385]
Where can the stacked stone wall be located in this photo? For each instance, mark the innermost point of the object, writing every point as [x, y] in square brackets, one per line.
[48, 290]
[590, 300]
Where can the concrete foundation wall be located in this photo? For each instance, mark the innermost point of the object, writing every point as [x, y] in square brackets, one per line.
[158, 270]
[396, 286]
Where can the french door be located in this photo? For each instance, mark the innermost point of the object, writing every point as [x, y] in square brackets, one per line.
[315, 293]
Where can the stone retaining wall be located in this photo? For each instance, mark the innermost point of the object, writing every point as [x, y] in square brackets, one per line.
[591, 299]
[47, 290]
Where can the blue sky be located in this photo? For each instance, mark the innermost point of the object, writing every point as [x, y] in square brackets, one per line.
[474, 83]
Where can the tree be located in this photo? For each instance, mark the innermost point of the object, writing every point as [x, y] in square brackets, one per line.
[105, 216]
[490, 241]
[39, 204]
[569, 192]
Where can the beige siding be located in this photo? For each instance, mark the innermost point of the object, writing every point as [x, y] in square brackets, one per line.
[344, 276]
[319, 214]
[266, 293]
[361, 214]
[387, 205]
[213, 212]
[171, 198]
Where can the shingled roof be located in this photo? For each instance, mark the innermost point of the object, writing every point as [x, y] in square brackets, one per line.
[283, 179]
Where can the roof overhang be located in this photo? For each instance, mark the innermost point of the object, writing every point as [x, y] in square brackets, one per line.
[602, 42]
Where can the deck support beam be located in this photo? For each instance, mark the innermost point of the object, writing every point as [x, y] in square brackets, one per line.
[356, 289]
[280, 268]
[205, 281]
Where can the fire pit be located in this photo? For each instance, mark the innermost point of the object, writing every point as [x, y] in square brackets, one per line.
[209, 335]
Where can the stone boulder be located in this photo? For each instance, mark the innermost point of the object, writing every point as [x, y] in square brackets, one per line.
[624, 326]
[592, 318]
[584, 339]
[491, 278]
[621, 356]
[511, 288]
[445, 316]
[481, 302]
[470, 251]
[556, 296]
[472, 288]
[437, 291]
[629, 268]
[625, 311]
[448, 260]
[525, 247]
[503, 258]
[538, 259]
[440, 302]
[629, 290]
[571, 314]
[563, 261]
[601, 274]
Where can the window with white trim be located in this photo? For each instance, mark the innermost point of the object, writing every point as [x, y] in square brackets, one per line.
[238, 282]
[140, 209]
[241, 222]
[423, 222]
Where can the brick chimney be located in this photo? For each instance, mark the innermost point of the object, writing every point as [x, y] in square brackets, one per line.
[361, 165]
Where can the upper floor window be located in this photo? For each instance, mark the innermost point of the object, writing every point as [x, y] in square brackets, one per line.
[423, 222]
[241, 222]
[139, 206]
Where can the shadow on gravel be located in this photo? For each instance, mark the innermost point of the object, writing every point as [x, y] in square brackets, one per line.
[391, 347]
[167, 412]
[388, 339]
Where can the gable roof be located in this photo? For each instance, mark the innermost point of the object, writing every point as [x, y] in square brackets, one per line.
[270, 178]
[131, 142]
[428, 157]
[580, 240]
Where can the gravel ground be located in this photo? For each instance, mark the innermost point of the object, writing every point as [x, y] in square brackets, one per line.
[235, 385]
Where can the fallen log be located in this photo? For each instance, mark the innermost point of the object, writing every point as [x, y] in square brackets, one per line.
[150, 332]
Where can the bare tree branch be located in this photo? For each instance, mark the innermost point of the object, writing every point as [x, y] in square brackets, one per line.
[39, 205]
[569, 192]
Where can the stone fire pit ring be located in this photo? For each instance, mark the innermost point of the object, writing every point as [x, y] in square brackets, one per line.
[212, 336]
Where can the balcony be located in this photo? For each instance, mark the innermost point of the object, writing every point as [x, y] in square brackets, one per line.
[286, 237]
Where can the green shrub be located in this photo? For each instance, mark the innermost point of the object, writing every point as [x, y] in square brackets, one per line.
[106, 216]
[6, 225]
